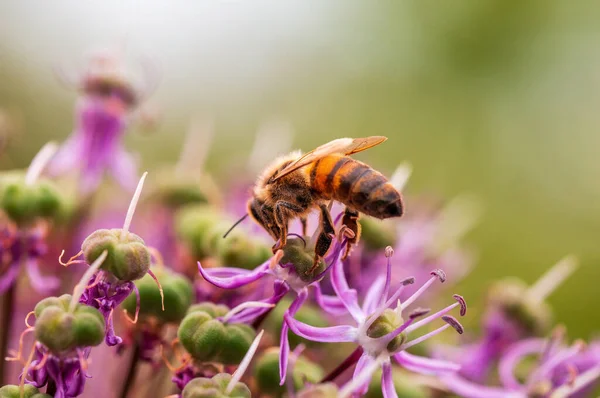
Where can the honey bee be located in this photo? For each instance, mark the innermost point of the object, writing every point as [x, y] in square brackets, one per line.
[295, 184]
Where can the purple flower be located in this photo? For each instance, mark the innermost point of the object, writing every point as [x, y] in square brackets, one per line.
[25, 246]
[381, 332]
[67, 373]
[515, 311]
[286, 279]
[556, 374]
[102, 115]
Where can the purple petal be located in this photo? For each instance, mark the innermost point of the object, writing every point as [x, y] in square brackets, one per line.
[331, 304]
[284, 344]
[364, 361]
[467, 389]
[387, 382]
[9, 277]
[67, 157]
[123, 168]
[42, 284]
[347, 296]
[373, 297]
[235, 281]
[509, 361]
[333, 334]
[249, 315]
[423, 365]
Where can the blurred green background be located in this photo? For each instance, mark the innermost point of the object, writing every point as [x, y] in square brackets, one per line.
[497, 98]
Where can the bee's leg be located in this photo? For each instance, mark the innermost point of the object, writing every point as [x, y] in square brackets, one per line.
[325, 236]
[350, 220]
[282, 215]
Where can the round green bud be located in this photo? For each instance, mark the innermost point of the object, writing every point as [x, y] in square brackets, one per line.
[209, 340]
[403, 384]
[387, 323]
[178, 292]
[308, 314]
[302, 257]
[266, 372]
[29, 391]
[510, 297]
[240, 250]
[327, 390]
[212, 309]
[175, 189]
[193, 224]
[25, 203]
[128, 257]
[203, 387]
[376, 234]
[49, 201]
[62, 331]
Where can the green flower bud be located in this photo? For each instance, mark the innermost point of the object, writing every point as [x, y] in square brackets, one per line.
[403, 384]
[327, 390]
[212, 309]
[377, 234]
[175, 189]
[25, 203]
[177, 290]
[203, 387]
[302, 259]
[510, 297]
[239, 249]
[209, 340]
[266, 372]
[387, 323]
[62, 331]
[128, 259]
[308, 314]
[29, 391]
[193, 224]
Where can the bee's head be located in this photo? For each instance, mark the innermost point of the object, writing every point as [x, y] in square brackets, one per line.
[264, 216]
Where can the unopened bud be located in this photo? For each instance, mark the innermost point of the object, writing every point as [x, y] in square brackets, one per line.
[128, 256]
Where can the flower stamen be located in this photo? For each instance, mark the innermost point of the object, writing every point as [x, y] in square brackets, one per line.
[162, 294]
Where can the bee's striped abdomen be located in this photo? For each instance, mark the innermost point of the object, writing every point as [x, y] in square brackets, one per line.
[356, 185]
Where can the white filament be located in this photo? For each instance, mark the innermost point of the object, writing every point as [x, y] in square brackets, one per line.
[239, 372]
[273, 137]
[552, 279]
[401, 175]
[80, 287]
[243, 306]
[132, 206]
[40, 161]
[196, 146]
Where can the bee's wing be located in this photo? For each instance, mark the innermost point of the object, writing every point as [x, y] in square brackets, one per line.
[345, 146]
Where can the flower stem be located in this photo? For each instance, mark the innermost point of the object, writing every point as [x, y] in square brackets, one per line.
[5, 321]
[348, 362]
[132, 370]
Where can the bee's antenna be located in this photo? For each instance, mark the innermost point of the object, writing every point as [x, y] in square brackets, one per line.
[235, 225]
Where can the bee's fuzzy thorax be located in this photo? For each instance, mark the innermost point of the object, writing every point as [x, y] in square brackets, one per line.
[260, 190]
